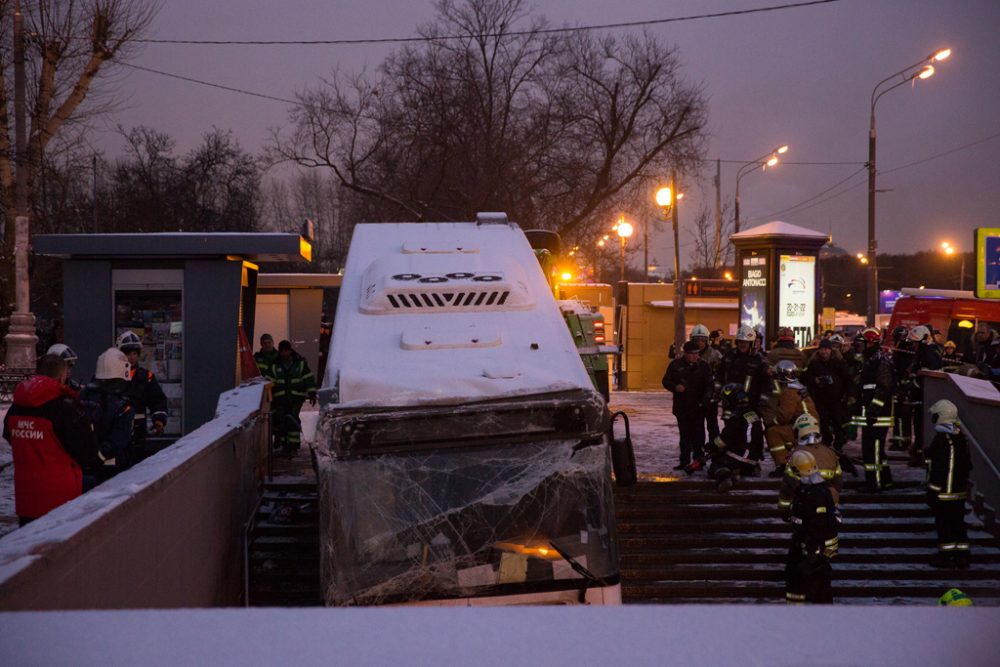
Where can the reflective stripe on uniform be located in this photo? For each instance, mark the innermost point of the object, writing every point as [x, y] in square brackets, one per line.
[779, 448]
[820, 510]
[795, 597]
[952, 496]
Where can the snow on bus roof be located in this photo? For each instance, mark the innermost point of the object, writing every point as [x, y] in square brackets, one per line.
[443, 313]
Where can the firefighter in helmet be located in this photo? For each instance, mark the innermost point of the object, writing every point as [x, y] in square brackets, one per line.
[729, 449]
[927, 356]
[787, 401]
[809, 439]
[948, 466]
[874, 416]
[815, 534]
[145, 395]
[744, 365]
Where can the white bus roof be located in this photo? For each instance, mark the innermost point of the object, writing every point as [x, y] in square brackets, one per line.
[447, 313]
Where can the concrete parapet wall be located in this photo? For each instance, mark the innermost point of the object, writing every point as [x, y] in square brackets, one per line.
[166, 533]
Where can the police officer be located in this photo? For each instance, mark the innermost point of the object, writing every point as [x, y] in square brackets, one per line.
[948, 466]
[927, 356]
[690, 380]
[744, 365]
[874, 416]
[787, 401]
[815, 535]
[145, 395]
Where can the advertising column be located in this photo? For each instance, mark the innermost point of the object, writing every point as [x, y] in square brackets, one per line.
[753, 303]
[797, 296]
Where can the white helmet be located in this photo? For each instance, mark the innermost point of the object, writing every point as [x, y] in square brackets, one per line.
[746, 333]
[112, 365]
[837, 339]
[64, 352]
[944, 412]
[699, 330]
[921, 334]
[129, 341]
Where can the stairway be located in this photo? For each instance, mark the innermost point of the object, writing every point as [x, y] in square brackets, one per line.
[283, 546]
[682, 542]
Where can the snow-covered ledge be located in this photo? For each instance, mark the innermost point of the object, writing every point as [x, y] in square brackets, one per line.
[166, 533]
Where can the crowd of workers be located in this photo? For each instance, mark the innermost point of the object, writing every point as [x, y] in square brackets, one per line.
[805, 407]
[66, 437]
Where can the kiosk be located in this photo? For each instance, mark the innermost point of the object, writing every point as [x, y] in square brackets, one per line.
[779, 279]
[185, 294]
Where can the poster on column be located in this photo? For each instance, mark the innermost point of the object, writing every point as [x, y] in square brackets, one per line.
[753, 294]
[797, 296]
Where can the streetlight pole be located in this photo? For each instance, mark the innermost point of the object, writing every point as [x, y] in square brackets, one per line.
[624, 230]
[906, 75]
[20, 338]
[768, 159]
[666, 199]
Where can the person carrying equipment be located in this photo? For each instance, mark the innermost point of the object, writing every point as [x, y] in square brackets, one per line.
[786, 402]
[926, 357]
[745, 366]
[145, 394]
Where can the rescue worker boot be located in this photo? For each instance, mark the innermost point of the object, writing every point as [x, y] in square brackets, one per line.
[724, 480]
[961, 559]
[943, 560]
[777, 473]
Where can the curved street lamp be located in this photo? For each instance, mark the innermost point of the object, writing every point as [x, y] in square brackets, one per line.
[768, 159]
[922, 69]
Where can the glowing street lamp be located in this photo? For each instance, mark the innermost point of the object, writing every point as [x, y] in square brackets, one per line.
[768, 159]
[921, 69]
[949, 249]
[624, 230]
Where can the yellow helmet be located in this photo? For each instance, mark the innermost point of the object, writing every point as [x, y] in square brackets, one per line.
[955, 598]
[804, 463]
[807, 430]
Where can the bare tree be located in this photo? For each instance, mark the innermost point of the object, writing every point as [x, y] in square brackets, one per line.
[706, 262]
[558, 130]
[70, 43]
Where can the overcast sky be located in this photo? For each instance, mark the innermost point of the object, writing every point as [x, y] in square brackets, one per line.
[797, 76]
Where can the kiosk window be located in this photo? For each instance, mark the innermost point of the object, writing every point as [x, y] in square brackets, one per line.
[155, 315]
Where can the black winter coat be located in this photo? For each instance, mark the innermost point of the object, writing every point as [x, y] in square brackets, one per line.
[697, 381]
[827, 381]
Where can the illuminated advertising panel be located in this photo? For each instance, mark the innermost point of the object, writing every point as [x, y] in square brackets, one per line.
[797, 296]
[753, 288]
[988, 262]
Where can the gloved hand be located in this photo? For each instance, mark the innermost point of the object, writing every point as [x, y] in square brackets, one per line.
[312, 398]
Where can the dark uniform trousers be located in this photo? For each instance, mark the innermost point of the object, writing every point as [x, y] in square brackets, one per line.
[692, 435]
[815, 540]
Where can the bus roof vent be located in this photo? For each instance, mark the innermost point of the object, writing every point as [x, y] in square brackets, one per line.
[491, 218]
[398, 290]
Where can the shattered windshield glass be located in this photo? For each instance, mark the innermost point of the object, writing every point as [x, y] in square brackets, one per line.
[454, 522]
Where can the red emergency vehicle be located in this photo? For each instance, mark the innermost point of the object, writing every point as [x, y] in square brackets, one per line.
[955, 313]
